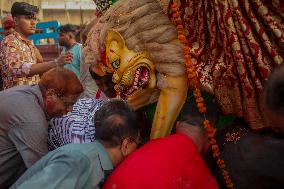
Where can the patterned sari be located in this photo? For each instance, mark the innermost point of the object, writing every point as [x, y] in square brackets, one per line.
[234, 46]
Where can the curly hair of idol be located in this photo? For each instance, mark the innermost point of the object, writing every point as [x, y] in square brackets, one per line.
[144, 27]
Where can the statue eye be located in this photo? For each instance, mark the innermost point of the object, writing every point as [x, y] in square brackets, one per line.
[116, 64]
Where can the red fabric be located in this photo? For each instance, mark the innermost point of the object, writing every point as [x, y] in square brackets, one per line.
[234, 46]
[8, 22]
[171, 162]
[98, 94]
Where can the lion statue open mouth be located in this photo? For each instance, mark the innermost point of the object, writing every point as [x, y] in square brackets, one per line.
[132, 80]
[138, 45]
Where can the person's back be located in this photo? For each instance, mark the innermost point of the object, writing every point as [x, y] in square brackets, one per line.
[254, 160]
[86, 163]
[24, 111]
[172, 162]
[22, 122]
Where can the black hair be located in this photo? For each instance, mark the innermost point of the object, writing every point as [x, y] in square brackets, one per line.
[115, 121]
[104, 83]
[68, 28]
[23, 8]
[274, 90]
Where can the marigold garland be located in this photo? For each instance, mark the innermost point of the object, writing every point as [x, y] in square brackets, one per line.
[194, 84]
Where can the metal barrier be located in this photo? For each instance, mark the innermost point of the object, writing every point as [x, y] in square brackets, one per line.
[45, 30]
[48, 30]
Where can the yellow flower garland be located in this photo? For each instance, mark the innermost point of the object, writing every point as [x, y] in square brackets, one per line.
[194, 83]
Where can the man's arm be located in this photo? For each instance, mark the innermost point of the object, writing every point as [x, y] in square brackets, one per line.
[20, 68]
[64, 58]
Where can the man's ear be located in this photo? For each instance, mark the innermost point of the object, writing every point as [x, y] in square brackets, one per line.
[16, 20]
[71, 35]
[125, 147]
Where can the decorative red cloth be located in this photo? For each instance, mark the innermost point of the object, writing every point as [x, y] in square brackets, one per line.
[167, 163]
[8, 22]
[234, 46]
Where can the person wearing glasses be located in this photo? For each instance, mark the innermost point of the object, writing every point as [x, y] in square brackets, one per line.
[18, 55]
[24, 114]
[76, 166]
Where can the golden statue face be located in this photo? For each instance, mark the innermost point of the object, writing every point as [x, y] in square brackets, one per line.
[134, 76]
[132, 71]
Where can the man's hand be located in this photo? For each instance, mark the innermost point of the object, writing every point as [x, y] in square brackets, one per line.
[65, 58]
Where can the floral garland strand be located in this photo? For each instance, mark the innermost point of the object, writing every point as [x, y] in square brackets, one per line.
[194, 84]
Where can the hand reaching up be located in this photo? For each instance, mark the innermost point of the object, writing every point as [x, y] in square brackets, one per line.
[64, 58]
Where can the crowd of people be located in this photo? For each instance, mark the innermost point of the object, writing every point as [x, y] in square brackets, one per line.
[54, 133]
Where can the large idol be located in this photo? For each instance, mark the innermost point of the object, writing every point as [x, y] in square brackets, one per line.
[137, 43]
[233, 45]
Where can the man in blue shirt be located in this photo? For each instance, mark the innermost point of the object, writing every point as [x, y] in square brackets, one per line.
[67, 39]
[85, 166]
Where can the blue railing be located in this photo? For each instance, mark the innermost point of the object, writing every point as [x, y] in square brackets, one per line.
[48, 30]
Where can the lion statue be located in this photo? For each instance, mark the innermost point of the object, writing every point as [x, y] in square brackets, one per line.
[136, 42]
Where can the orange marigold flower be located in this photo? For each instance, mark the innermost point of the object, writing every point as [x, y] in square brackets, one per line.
[216, 154]
[211, 134]
[215, 148]
[174, 5]
[202, 110]
[178, 20]
[228, 181]
[176, 15]
[230, 185]
[212, 141]
[206, 121]
[180, 26]
[189, 63]
[200, 104]
[188, 58]
[222, 166]
[191, 76]
[190, 70]
[225, 173]
[186, 49]
[220, 162]
[226, 177]
[199, 99]
[181, 37]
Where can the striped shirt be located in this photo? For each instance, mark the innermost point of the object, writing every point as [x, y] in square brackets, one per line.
[76, 126]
